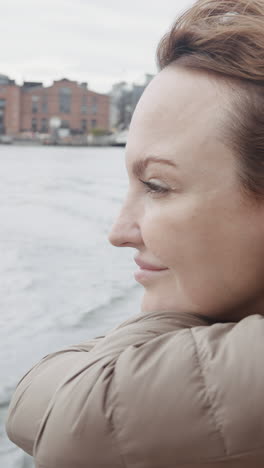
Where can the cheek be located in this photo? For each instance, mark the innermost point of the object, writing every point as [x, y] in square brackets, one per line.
[171, 232]
[189, 233]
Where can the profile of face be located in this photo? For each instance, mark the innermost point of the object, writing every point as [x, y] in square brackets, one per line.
[185, 212]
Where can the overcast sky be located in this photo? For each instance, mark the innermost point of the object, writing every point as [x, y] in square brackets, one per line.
[98, 41]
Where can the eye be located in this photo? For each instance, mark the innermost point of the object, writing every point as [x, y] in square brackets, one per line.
[154, 188]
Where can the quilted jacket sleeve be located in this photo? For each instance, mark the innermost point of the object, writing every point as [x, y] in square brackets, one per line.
[60, 404]
[152, 393]
[35, 390]
[77, 365]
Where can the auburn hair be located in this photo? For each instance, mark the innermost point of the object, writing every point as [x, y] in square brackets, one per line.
[226, 38]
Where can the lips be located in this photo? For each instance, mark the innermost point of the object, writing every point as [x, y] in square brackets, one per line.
[148, 266]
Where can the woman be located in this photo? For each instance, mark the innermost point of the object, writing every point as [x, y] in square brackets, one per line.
[180, 384]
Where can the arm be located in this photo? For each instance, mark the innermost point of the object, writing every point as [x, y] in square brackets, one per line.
[65, 394]
[152, 392]
[35, 390]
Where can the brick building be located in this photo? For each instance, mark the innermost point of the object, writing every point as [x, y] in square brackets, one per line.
[29, 108]
[9, 106]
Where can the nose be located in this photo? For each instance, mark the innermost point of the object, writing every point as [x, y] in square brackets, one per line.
[125, 231]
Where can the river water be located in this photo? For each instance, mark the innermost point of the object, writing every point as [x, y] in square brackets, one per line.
[62, 282]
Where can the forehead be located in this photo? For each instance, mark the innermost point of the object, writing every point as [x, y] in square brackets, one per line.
[179, 113]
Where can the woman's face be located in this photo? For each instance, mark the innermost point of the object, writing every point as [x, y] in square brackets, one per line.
[192, 221]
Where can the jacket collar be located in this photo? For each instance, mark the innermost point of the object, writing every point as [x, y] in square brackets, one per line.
[171, 319]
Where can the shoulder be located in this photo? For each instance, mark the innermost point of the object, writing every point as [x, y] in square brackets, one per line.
[199, 389]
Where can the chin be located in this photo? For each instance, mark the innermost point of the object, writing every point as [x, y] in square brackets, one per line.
[154, 303]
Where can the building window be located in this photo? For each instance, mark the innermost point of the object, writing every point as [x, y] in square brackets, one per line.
[44, 125]
[45, 104]
[65, 100]
[94, 123]
[84, 108]
[84, 125]
[34, 125]
[65, 124]
[2, 116]
[2, 125]
[94, 105]
[35, 100]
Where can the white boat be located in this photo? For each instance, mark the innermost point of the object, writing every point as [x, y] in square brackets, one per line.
[6, 139]
[119, 138]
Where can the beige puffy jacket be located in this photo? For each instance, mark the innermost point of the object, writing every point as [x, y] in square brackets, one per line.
[162, 390]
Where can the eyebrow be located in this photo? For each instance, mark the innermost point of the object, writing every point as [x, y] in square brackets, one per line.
[140, 165]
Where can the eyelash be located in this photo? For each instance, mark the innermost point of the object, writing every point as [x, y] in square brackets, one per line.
[153, 188]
